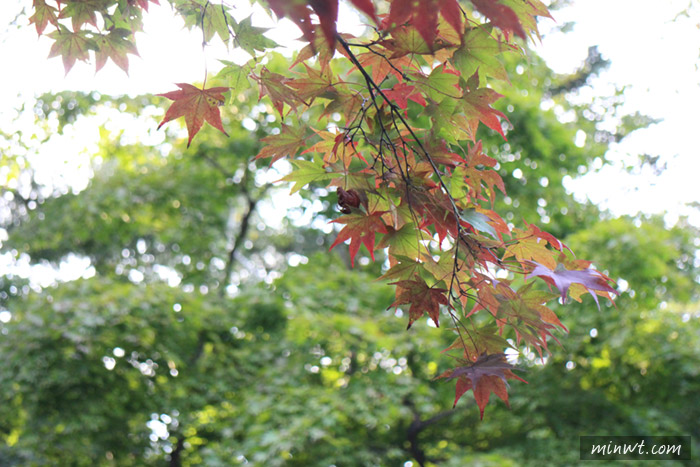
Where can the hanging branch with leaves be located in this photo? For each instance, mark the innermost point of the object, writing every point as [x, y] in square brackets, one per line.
[397, 136]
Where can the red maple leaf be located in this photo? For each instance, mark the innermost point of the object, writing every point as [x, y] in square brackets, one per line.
[326, 10]
[298, 12]
[359, 229]
[197, 106]
[485, 376]
[402, 92]
[562, 278]
[423, 15]
[143, 3]
[423, 299]
[501, 16]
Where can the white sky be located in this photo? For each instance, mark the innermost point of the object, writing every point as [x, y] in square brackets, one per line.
[654, 57]
[657, 59]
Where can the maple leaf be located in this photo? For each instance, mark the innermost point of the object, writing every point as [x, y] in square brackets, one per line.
[275, 86]
[402, 92]
[326, 10]
[562, 279]
[423, 299]
[381, 67]
[286, 143]
[441, 154]
[403, 269]
[531, 248]
[485, 376]
[318, 47]
[143, 3]
[527, 11]
[114, 45]
[476, 103]
[250, 38]
[479, 51]
[403, 242]
[551, 239]
[441, 85]
[336, 147]
[298, 12]
[313, 84]
[366, 7]
[478, 341]
[423, 15]
[235, 75]
[307, 172]
[501, 16]
[406, 40]
[479, 221]
[71, 46]
[197, 106]
[43, 15]
[82, 12]
[359, 229]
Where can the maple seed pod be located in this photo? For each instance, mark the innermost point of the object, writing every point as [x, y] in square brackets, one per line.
[348, 200]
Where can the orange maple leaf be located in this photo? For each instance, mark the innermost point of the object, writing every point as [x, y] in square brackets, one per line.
[197, 106]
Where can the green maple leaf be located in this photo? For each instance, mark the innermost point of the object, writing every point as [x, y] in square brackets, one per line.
[448, 122]
[441, 85]
[114, 45]
[128, 16]
[250, 38]
[526, 12]
[307, 172]
[483, 339]
[83, 12]
[479, 221]
[403, 242]
[479, 51]
[236, 76]
[287, 143]
[70, 46]
[216, 20]
[404, 269]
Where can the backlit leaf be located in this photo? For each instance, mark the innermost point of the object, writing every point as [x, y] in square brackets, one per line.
[197, 106]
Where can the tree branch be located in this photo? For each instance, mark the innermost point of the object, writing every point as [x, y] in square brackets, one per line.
[175, 456]
[417, 426]
[242, 233]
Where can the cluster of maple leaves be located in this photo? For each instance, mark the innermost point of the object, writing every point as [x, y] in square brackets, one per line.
[411, 175]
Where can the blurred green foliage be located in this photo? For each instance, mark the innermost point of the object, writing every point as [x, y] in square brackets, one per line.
[210, 334]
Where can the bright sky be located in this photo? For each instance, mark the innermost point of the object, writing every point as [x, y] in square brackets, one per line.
[654, 57]
[657, 59]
